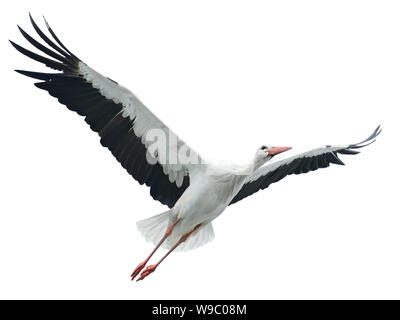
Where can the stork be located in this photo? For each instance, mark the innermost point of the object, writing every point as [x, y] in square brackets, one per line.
[195, 190]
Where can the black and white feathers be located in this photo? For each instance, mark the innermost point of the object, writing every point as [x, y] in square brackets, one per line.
[121, 120]
[298, 163]
[123, 123]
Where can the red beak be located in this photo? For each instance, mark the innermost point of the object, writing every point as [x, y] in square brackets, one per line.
[276, 150]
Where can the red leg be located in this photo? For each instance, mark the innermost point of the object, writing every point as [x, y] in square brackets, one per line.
[150, 269]
[142, 265]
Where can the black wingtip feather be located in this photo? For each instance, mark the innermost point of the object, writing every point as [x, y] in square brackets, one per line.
[336, 160]
[366, 142]
[348, 151]
[46, 50]
[373, 136]
[31, 74]
[40, 85]
[48, 62]
[48, 41]
[58, 40]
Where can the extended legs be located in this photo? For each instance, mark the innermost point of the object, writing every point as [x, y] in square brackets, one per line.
[143, 264]
[151, 268]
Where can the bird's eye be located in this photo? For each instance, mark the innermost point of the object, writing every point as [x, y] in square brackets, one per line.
[263, 147]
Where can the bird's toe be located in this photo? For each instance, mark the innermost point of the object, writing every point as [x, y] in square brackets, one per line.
[150, 269]
[137, 270]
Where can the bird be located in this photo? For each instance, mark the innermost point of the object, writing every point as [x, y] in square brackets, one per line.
[195, 190]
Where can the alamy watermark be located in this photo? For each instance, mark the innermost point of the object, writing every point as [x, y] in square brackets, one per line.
[165, 147]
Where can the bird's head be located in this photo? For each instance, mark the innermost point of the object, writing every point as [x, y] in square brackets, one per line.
[266, 153]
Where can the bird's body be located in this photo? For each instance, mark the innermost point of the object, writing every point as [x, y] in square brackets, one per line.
[195, 190]
[209, 194]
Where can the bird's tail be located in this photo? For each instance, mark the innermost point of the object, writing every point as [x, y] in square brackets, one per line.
[154, 228]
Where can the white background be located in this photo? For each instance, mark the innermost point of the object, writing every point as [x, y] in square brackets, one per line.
[227, 76]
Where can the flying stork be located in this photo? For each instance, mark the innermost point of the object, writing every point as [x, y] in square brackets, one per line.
[196, 191]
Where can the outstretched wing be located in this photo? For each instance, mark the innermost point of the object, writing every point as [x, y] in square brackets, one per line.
[293, 162]
[126, 127]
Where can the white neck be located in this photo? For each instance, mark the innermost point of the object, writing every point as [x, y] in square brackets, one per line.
[252, 166]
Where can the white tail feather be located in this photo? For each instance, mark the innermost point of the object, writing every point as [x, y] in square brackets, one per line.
[153, 229]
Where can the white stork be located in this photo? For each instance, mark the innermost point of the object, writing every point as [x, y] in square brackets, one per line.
[196, 191]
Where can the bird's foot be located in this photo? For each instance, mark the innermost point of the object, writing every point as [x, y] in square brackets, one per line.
[137, 270]
[147, 271]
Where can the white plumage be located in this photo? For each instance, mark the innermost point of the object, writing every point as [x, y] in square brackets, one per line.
[196, 191]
